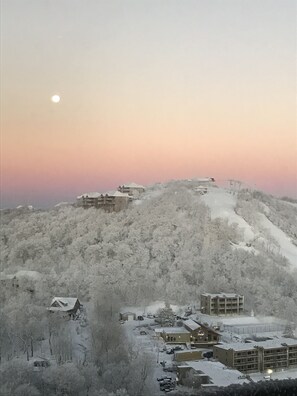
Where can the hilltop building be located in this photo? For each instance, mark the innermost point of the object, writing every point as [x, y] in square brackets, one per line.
[112, 201]
[132, 189]
[222, 304]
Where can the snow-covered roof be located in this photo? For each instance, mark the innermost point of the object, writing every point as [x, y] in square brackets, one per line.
[115, 193]
[269, 344]
[191, 324]
[90, 195]
[65, 303]
[204, 179]
[132, 185]
[221, 295]
[219, 374]
[172, 330]
[112, 193]
[191, 351]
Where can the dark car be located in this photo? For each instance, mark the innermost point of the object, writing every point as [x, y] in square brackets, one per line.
[208, 355]
[140, 317]
[177, 348]
[170, 351]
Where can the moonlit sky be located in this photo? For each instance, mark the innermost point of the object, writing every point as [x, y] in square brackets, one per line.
[151, 90]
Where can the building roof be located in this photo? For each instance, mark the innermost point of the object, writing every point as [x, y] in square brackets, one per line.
[115, 193]
[65, 303]
[191, 351]
[133, 185]
[90, 195]
[204, 179]
[172, 330]
[191, 324]
[269, 344]
[219, 374]
[112, 193]
[222, 295]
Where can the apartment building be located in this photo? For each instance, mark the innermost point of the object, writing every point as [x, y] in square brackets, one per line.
[113, 201]
[253, 357]
[221, 304]
[132, 189]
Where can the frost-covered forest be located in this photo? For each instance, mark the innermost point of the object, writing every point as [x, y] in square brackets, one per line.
[166, 246]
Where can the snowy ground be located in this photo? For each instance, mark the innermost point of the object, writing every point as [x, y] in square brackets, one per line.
[286, 247]
[222, 205]
[152, 346]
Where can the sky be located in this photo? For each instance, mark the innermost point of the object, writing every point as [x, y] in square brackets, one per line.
[151, 90]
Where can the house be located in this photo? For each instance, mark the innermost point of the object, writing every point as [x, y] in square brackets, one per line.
[201, 335]
[221, 304]
[127, 316]
[174, 335]
[132, 189]
[112, 201]
[67, 305]
[276, 354]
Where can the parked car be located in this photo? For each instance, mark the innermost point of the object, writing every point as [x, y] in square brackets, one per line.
[170, 351]
[169, 369]
[164, 377]
[140, 317]
[178, 348]
[142, 332]
[208, 355]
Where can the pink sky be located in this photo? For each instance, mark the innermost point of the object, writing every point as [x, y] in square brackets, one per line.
[149, 92]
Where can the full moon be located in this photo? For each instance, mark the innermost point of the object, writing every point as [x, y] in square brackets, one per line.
[55, 98]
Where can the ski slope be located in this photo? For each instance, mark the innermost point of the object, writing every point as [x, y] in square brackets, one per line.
[222, 204]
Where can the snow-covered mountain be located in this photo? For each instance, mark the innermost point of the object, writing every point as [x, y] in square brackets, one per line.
[180, 239]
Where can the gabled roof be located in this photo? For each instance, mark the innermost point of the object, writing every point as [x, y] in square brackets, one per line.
[63, 304]
[191, 324]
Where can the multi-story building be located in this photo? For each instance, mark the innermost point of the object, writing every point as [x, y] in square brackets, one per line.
[132, 189]
[221, 304]
[113, 201]
[252, 357]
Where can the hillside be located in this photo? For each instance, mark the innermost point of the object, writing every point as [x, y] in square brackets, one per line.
[173, 243]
